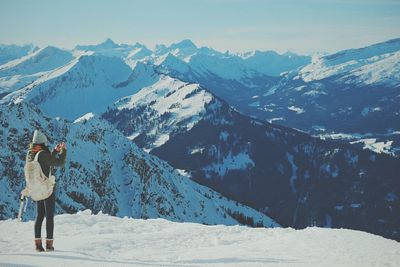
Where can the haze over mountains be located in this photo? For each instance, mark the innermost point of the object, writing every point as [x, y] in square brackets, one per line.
[209, 114]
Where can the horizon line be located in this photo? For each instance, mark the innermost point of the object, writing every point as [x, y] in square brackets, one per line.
[153, 47]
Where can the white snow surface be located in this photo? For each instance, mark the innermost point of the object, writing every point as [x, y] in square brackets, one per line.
[372, 144]
[23, 71]
[296, 109]
[378, 143]
[382, 69]
[159, 92]
[45, 59]
[88, 83]
[376, 64]
[186, 103]
[85, 117]
[100, 240]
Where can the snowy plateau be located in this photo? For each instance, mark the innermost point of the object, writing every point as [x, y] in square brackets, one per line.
[84, 239]
[175, 146]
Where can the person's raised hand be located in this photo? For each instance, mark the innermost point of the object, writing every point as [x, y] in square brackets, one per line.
[60, 146]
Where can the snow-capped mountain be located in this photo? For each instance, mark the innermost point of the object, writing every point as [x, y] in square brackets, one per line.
[378, 63]
[107, 172]
[131, 54]
[88, 84]
[106, 45]
[21, 72]
[184, 49]
[194, 64]
[354, 92]
[11, 52]
[167, 106]
[86, 239]
[268, 63]
[298, 179]
[44, 59]
[272, 63]
[203, 60]
[109, 48]
[184, 59]
[138, 54]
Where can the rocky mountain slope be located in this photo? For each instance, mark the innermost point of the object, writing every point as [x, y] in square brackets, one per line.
[353, 92]
[297, 179]
[107, 172]
[18, 73]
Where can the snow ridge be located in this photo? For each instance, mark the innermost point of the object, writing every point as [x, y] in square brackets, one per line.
[378, 63]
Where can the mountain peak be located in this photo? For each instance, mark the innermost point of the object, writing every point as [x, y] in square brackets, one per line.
[187, 43]
[160, 49]
[184, 49]
[139, 45]
[170, 62]
[108, 43]
[51, 48]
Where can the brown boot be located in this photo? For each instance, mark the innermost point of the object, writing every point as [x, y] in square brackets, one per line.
[38, 244]
[49, 245]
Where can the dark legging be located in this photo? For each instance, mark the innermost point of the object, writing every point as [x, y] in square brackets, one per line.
[45, 208]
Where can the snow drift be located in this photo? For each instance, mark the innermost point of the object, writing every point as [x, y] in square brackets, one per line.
[91, 240]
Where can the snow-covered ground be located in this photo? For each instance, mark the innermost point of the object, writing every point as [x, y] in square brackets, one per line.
[378, 63]
[379, 143]
[101, 240]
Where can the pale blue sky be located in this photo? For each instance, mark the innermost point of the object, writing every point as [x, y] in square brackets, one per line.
[303, 26]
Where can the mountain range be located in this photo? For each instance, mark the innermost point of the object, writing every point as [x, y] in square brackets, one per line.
[109, 173]
[352, 95]
[212, 115]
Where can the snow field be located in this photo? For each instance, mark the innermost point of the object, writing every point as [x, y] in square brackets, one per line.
[100, 240]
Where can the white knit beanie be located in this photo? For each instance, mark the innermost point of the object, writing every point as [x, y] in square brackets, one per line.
[39, 138]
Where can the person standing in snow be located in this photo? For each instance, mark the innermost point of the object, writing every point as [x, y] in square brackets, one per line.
[47, 160]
